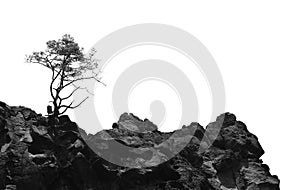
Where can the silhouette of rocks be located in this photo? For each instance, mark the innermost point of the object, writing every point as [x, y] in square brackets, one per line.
[37, 153]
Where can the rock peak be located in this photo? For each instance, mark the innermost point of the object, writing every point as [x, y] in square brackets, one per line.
[129, 121]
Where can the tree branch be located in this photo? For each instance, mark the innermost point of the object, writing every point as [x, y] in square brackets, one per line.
[71, 93]
[70, 105]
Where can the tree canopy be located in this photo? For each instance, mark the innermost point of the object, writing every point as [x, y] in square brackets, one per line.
[69, 65]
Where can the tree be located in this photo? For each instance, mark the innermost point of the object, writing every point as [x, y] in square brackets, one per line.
[68, 65]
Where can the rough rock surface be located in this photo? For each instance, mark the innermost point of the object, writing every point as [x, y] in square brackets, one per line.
[39, 153]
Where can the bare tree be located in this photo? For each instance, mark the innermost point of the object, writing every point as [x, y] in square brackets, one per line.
[68, 65]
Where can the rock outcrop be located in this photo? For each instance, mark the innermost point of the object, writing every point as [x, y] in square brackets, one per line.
[37, 153]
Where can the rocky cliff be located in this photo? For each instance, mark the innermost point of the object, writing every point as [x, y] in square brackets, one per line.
[42, 153]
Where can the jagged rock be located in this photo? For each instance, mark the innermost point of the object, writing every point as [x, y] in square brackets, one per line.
[48, 153]
[128, 121]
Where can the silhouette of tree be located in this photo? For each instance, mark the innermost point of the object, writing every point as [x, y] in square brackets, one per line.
[69, 65]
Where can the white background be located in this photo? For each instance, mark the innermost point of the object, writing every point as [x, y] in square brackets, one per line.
[255, 43]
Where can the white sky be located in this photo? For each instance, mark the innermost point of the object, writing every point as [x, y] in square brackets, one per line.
[255, 43]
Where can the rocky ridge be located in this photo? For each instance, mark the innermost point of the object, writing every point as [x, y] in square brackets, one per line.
[39, 153]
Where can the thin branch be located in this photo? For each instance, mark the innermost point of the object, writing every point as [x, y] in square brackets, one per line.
[84, 78]
[71, 93]
[85, 88]
[52, 82]
[70, 105]
[51, 85]
[38, 62]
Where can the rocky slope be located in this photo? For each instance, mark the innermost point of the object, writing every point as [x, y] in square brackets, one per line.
[42, 153]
